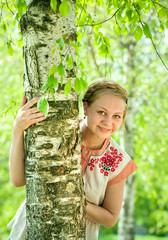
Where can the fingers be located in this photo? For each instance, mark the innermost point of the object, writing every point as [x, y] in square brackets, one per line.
[36, 120]
[31, 103]
[23, 102]
[33, 110]
[35, 116]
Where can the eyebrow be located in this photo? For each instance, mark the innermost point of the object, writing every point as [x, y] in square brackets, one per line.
[106, 110]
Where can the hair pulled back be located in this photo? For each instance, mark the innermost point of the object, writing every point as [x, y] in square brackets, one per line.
[102, 86]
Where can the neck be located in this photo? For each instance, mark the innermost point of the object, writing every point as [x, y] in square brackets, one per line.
[89, 140]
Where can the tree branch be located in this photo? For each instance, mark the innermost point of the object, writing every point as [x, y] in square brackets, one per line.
[158, 53]
[150, 38]
[94, 24]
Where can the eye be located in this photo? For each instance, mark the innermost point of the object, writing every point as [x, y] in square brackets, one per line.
[101, 112]
[117, 116]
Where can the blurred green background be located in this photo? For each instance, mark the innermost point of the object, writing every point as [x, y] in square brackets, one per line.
[150, 131]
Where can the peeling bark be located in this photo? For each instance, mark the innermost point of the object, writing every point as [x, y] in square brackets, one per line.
[54, 182]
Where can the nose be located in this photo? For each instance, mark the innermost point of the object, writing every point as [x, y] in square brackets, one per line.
[107, 121]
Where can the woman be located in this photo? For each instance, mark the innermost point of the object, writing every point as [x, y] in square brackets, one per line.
[105, 165]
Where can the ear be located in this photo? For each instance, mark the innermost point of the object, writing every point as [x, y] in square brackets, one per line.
[85, 106]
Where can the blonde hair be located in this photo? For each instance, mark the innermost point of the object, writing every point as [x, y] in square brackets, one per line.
[100, 86]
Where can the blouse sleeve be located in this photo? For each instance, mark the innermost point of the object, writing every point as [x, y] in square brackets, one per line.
[127, 171]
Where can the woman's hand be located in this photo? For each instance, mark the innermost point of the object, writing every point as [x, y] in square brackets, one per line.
[27, 115]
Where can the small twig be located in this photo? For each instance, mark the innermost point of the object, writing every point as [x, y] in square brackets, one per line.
[158, 53]
[159, 5]
[9, 7]
[100, 22]
[156, 11]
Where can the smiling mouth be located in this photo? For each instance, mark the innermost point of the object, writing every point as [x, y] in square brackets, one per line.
[104, 130]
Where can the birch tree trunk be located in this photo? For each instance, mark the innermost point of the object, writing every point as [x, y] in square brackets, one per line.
[126, 219]
[54, 182]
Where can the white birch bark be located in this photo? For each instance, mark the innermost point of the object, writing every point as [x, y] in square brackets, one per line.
[126, 219]
[54, 182]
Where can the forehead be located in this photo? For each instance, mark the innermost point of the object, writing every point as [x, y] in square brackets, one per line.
[109, 102]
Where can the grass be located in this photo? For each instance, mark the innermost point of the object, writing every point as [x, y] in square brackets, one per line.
[111, 237]
[114, 237]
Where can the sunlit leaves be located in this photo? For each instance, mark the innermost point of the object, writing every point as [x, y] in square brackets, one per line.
[10, 48]
[43, 105]
[61, 43]
[52, 82]
[64, 8]
[147, 31]
[21, 7]
[52, 70]
[67, 87]
[60, 69]
[53, 4]
[138, 33]
[77, 85]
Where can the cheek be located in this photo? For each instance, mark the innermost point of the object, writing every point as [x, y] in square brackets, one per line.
[118, 123]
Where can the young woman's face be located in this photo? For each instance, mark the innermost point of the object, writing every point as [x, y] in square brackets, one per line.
[104, 115]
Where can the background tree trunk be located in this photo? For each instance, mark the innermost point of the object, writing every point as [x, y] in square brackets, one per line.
[54, 182]
[126, 219]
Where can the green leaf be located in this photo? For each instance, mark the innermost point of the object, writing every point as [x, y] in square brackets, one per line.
[147, 32]
[43, 106]
[84, 84]
[67, 58]
[77, 85]
[117, 28]
[53, 51]
[19, 3]
[79, 36]
[67, 87]
[52, 94]
[10, 49]
[44, 87]
[52, 81]
[52, 70]
[129, 14]
[162, 13]
[3, 26]
[138, 33]
[61, 43]
[64, 8]
[53, 4]
[60, 69]
[161, 28]
[70, 64]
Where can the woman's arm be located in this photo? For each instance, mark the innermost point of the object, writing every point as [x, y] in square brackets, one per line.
[27, 115]
[107, 214]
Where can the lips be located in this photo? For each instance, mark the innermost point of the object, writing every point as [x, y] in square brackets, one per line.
[104, 130]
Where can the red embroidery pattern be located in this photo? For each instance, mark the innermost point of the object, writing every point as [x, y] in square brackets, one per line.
[108, 163]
